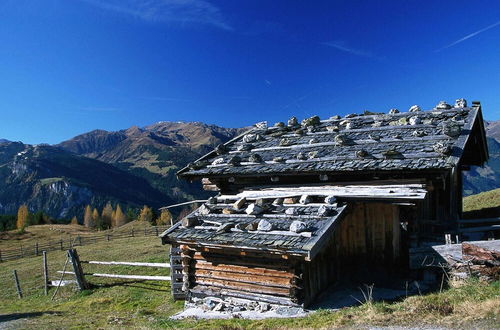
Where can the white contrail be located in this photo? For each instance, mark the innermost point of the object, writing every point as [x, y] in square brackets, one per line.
[469, 36]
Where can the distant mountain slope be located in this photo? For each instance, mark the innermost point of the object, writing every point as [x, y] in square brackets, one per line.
[61, 183]
[493, 129]
[154, 152]
[4, 141]
[485, 178]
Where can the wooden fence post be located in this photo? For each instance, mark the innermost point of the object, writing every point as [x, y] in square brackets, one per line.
[132, 232]
[18, 287]
[36, 249]
[145, 234]
[1, 256]
[156, 229]
[45, 272]
[61, 243]
[77, 269]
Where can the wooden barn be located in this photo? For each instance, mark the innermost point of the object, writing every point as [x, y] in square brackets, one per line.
[303, 205]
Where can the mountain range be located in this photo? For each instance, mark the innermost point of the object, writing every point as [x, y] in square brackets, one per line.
[137, 166]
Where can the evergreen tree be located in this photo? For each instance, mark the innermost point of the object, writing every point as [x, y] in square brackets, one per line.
[107, 215]
[165, 218]
[119, 217]
[146, 214]
[74, 221]
[38, 218]
[22, 217]
[88, 220]
[131, 214]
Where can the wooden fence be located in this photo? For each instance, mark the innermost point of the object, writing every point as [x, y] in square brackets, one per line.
[75, 240]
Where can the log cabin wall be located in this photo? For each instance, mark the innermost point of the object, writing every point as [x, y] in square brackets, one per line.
[269, 280]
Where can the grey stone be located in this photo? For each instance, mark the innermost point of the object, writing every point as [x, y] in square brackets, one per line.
[301, 156]
[212, 200]
[414, 120]
[264, 225]
[293, 122]
[234, 161]
[238, 205]
[278, 201]
[285, 142]
[311, 121]
[254, 209]
[225, 227]
[264, 307]
[218, 161]
[305, 199]
[414, 108]
[451, 128]
[291, 211]
[323, 211]
[442, 105]
[255, 158]
[298, 226]
[261, 125]
[460, 103]
[330, 199]
[204, 210]
[393, 111]
[219, 307]
[244, 147]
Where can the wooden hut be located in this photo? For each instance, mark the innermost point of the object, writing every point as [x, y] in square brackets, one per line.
[303, 204]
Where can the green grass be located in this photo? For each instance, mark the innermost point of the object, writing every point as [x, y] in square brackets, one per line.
[483, 205]
[149, 304]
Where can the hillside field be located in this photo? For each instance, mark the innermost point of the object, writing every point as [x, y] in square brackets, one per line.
[125, 303]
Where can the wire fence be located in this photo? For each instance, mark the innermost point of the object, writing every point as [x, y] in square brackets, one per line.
[76, 240]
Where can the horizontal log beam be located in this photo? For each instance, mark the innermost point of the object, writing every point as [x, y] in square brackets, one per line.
[200, 264]
[132, 277]
[242, 278]
[243, 286]
[124, 263]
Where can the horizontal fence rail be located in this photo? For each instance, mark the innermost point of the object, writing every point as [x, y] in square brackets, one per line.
[70, 242]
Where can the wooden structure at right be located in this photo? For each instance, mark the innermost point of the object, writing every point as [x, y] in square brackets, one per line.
[302, 205]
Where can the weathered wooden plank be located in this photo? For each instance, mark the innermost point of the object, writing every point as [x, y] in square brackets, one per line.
[245, 278]
[200, 264]
[255, 288]
[409, 191]
[139, 264]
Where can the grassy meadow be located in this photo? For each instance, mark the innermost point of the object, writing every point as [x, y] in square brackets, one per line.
[148, 304]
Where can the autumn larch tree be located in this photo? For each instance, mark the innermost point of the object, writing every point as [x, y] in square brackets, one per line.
[22, 217]
[119, 218]
[165, 218]
[74, 221]
[146, 214]
[107, 215]
[97, 218]
[88, 220]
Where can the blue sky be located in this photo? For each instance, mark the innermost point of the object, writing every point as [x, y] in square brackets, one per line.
[70, 66]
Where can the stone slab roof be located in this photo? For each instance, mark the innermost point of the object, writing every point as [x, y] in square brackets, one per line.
[295, 229]
[412, 140]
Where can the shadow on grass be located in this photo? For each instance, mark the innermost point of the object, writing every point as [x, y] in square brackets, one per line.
[17, 316]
